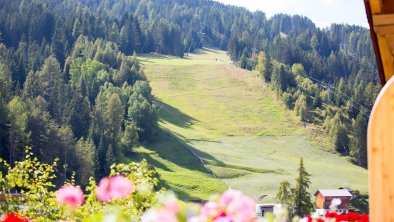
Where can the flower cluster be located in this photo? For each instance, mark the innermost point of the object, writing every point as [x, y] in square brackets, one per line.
[109, 189]
[232, 206]
[113, 188]
[13, 217]
[70, 196]
[131, 197]
[333, 216]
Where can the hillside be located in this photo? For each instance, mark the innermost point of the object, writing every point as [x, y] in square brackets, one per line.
[233, 121]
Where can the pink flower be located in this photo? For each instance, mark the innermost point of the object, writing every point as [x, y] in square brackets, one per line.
[233, 206]
[117, 187]
[242, 209]
[173, 206]
[167, 216]
[160, 215]
[70, 196]
[211, 210]
[223, 219]
[229, 196]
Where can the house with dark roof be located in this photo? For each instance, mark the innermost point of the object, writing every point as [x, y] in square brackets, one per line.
[325, 197]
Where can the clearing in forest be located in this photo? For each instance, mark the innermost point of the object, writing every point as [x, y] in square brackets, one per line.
[234, 122]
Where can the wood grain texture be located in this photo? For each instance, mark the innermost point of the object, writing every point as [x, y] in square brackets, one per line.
[381, 156]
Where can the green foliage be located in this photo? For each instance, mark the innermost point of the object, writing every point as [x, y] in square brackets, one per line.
[301, 107]
[302, 204]
[18, 136]
[360, 203]
[341, 138]
[5, 81]
[267, 69]
[243, 62]
[130, 137]
[261, 61]
[298, 69]
[285, 194]
[85, 152]
[288, 100]
[317, 100]
[34, 181]
[279, 78]
[358, 145]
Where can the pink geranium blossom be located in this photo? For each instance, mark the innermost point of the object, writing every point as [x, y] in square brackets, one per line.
[117, 187]
[70, 196]
[233, 206]
[159, 215]
[211, 210]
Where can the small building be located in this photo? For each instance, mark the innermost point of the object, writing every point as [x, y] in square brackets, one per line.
[324, 198]
[261, 209]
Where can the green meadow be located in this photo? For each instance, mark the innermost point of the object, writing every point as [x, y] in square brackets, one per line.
[214, 113]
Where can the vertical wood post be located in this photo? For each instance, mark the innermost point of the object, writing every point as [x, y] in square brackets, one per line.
[381, 156]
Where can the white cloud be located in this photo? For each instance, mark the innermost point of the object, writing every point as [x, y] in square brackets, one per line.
[322, 12]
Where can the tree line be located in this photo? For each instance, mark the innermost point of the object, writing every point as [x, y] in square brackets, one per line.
[71, 85]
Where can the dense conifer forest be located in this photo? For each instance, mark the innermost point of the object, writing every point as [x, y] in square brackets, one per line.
[71, 85]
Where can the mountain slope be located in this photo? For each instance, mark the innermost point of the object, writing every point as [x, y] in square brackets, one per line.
[234, 122]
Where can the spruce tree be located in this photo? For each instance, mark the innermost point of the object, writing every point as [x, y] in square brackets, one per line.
[261, 63]
[267, 69]
[285, 194]
[358, 149]
[109, 160]
[317, 101]
[302, 204]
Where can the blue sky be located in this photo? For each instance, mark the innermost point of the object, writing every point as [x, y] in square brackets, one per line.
[321, 12]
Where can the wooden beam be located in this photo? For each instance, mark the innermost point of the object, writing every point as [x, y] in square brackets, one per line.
[384, 30]
[386, 57]
[374, 38]
[381, 156]
[376, 6]
[384, 19]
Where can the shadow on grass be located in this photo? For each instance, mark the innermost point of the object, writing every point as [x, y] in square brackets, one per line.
[208, 159]
[151, 161]
[181, 194]
[174, 149]
[174, 116]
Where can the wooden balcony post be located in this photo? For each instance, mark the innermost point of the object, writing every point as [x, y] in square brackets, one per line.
[381, 156]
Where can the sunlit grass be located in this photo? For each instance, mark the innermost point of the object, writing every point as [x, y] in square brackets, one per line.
[236, 123]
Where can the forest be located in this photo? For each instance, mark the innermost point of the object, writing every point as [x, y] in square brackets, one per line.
[71, 86]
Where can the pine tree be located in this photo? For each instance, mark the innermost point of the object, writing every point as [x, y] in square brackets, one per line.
[85, 153]
[130, 137]
[358, 149]
[301, 107]
[341, 139]
[285, 194]
[267, 69]
[109, 160]
[261, 63]
[18, 136]
[302, 204]
[3, 126]
[317, 101]
[243, 62]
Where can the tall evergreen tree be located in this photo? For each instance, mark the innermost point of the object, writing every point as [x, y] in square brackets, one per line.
[261, 60]
[267, 69]
[358, 149]
[18, 135]
[302, 198]
[285, 194]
